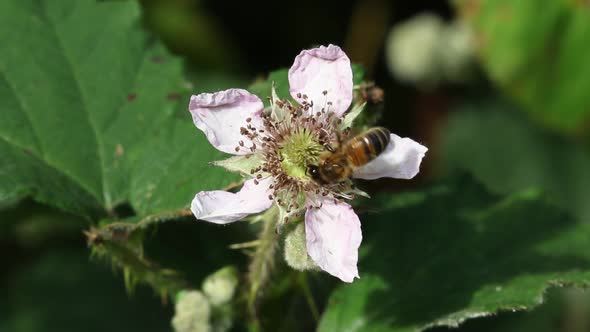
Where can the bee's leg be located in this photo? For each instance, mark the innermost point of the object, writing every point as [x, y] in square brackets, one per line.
[339, 138]
[329, 147]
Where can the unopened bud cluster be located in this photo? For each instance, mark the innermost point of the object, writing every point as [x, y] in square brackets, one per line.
[209, 310]
[192, 312]
[425, 50]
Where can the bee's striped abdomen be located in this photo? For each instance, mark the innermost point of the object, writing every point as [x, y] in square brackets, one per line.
[367, 146]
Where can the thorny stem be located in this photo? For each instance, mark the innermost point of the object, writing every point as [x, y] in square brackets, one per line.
[121, 243]
[263, 259]
[144, 222]
[135, 267]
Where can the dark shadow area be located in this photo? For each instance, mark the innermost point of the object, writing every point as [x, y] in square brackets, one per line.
[93, 297]
[124, 210]
[196, 248]
[48, 281]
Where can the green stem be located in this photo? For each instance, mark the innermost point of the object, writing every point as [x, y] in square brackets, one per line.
[139, 269]
[147, 220]
[308, 296]
[263, 259]
[122, 243]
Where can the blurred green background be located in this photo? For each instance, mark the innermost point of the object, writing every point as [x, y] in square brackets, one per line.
[497, 90]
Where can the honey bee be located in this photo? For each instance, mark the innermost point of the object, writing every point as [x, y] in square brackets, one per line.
[337, 165]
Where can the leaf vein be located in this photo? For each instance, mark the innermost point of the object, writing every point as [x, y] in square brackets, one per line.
[24, 111]
[46, 163]
[80, 90]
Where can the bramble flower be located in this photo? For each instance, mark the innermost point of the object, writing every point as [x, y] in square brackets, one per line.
[274, 146]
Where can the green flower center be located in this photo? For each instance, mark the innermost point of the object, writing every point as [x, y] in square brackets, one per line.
[297, 151]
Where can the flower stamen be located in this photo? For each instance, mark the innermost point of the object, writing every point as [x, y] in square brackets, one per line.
[292, 138]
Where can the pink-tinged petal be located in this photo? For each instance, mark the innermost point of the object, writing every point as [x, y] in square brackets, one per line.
[222, 207]
[401, 160]
[333, 235]
[322, 69]
[220, 115]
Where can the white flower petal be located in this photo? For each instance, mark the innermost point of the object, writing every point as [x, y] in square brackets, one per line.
[222, 207]
[333, 235]
[322, 69]
[401, 160]
[220, 115]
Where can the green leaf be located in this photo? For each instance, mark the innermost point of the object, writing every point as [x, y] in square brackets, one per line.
[358, 74]
[562, 306]
[347, 307]
[536, 55]
[507, 153]
[456, 252]
[263, 88]
[87, 121]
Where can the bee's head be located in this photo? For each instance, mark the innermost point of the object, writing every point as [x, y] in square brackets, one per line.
[314, 172]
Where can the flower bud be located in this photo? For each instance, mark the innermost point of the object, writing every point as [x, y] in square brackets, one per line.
[458, 53]
[192, 312]
[412, 49]
[296, 250]
[426, 51]
[221, 285]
